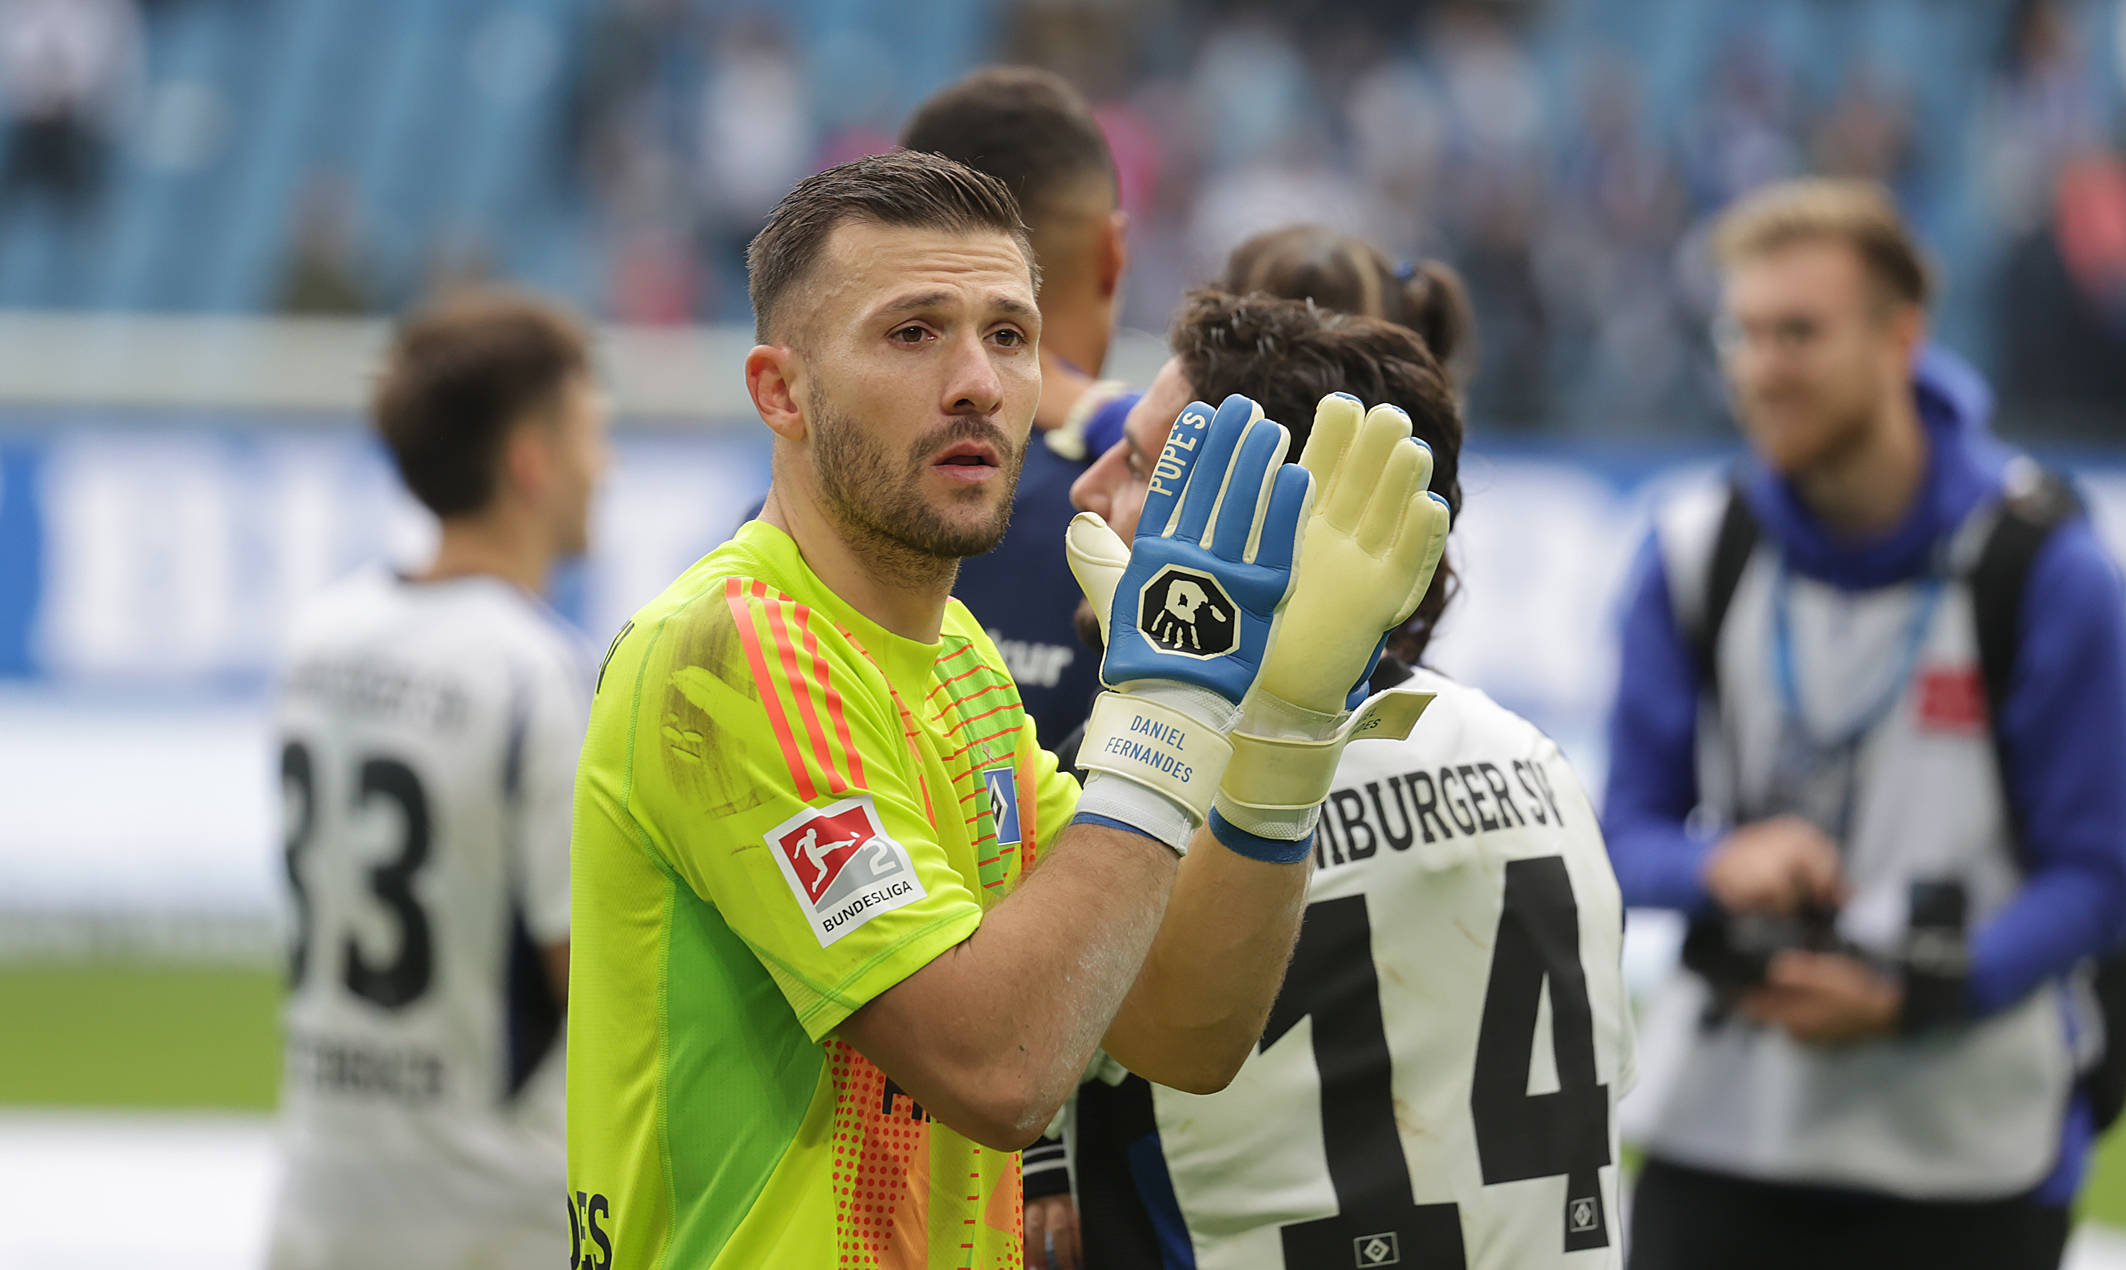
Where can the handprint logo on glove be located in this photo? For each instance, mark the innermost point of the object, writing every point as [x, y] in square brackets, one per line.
[1184, 611]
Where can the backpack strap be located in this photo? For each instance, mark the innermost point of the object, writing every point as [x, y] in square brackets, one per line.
[1732, 547]
[2034, 504]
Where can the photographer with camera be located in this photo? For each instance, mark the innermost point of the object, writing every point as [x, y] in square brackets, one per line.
[1870, 736]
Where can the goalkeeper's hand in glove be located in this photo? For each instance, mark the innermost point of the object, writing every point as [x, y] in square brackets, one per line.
[1368, 551]
[1190, 610]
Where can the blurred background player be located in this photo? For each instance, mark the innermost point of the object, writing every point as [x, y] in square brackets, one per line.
[1031, 130]
[429, 726]
[1882, 761]
[1459, 879]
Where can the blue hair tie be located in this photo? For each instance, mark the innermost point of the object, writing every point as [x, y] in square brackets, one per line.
[1405, 270]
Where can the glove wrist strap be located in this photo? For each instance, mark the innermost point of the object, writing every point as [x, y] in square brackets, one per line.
[1274, 785]
[1264, 714]
[1150, 743]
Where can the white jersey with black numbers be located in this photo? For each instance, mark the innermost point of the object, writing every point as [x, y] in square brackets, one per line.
[428, 734]
[1437, 1085]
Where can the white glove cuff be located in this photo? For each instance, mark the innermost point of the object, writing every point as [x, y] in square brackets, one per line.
[1153, 814]
[1170, 740]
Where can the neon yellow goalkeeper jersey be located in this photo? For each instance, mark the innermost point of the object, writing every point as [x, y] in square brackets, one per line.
[783, 810]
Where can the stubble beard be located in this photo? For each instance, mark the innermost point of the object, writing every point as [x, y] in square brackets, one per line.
[878, 503]
[1848, 424]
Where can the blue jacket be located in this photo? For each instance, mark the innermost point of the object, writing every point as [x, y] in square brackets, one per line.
[2062, 729]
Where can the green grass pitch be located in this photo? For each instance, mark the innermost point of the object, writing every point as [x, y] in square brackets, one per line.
[130, 1035]
[133, 1035]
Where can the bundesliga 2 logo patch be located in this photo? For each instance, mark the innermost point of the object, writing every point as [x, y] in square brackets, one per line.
[842, 867]
[1185, 611]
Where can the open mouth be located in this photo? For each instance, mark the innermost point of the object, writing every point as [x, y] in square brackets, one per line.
[969, 456]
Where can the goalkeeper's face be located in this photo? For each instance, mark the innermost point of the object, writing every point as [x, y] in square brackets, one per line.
[920, 375]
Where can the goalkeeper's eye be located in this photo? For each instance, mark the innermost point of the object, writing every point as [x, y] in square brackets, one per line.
[913, 333]
[1010, 337]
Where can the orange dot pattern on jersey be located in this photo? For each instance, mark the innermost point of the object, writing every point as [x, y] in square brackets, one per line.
[881, 1179]
[881, 1172]
[881, 1169]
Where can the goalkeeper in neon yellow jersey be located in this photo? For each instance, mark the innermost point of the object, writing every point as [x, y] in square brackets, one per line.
[844, 938]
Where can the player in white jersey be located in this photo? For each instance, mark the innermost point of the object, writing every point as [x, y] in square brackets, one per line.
[429, 725]
[1438, 1080]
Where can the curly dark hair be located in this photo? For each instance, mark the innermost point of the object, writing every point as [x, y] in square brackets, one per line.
[1289, 354]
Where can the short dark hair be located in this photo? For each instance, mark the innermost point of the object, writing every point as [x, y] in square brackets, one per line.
[458, 376]
[1350, 275]
[904, 190]
[1022, 125]
[1289, 354]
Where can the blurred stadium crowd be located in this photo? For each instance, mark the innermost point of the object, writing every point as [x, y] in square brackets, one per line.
[349, 155]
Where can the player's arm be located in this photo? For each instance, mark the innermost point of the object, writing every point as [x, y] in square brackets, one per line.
[992, 1035]
[1370, 544]
[1198, 1006]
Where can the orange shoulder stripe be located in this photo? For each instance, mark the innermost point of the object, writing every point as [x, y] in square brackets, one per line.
[832, 697]
[786, 652]
[764, 680]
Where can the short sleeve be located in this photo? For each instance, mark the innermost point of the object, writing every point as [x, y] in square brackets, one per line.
[547, 722]
[782, 788]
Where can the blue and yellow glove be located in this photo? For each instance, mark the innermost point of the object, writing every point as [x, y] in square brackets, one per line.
[1372, 541]
[1191, 610]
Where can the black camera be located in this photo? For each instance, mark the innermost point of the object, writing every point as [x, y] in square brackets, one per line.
[1732, 951]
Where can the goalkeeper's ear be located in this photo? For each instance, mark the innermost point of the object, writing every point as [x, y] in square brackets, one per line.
[771, 373]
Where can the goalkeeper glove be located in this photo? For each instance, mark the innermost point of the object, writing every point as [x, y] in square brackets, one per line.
[1369, 549]
[1190, 610]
